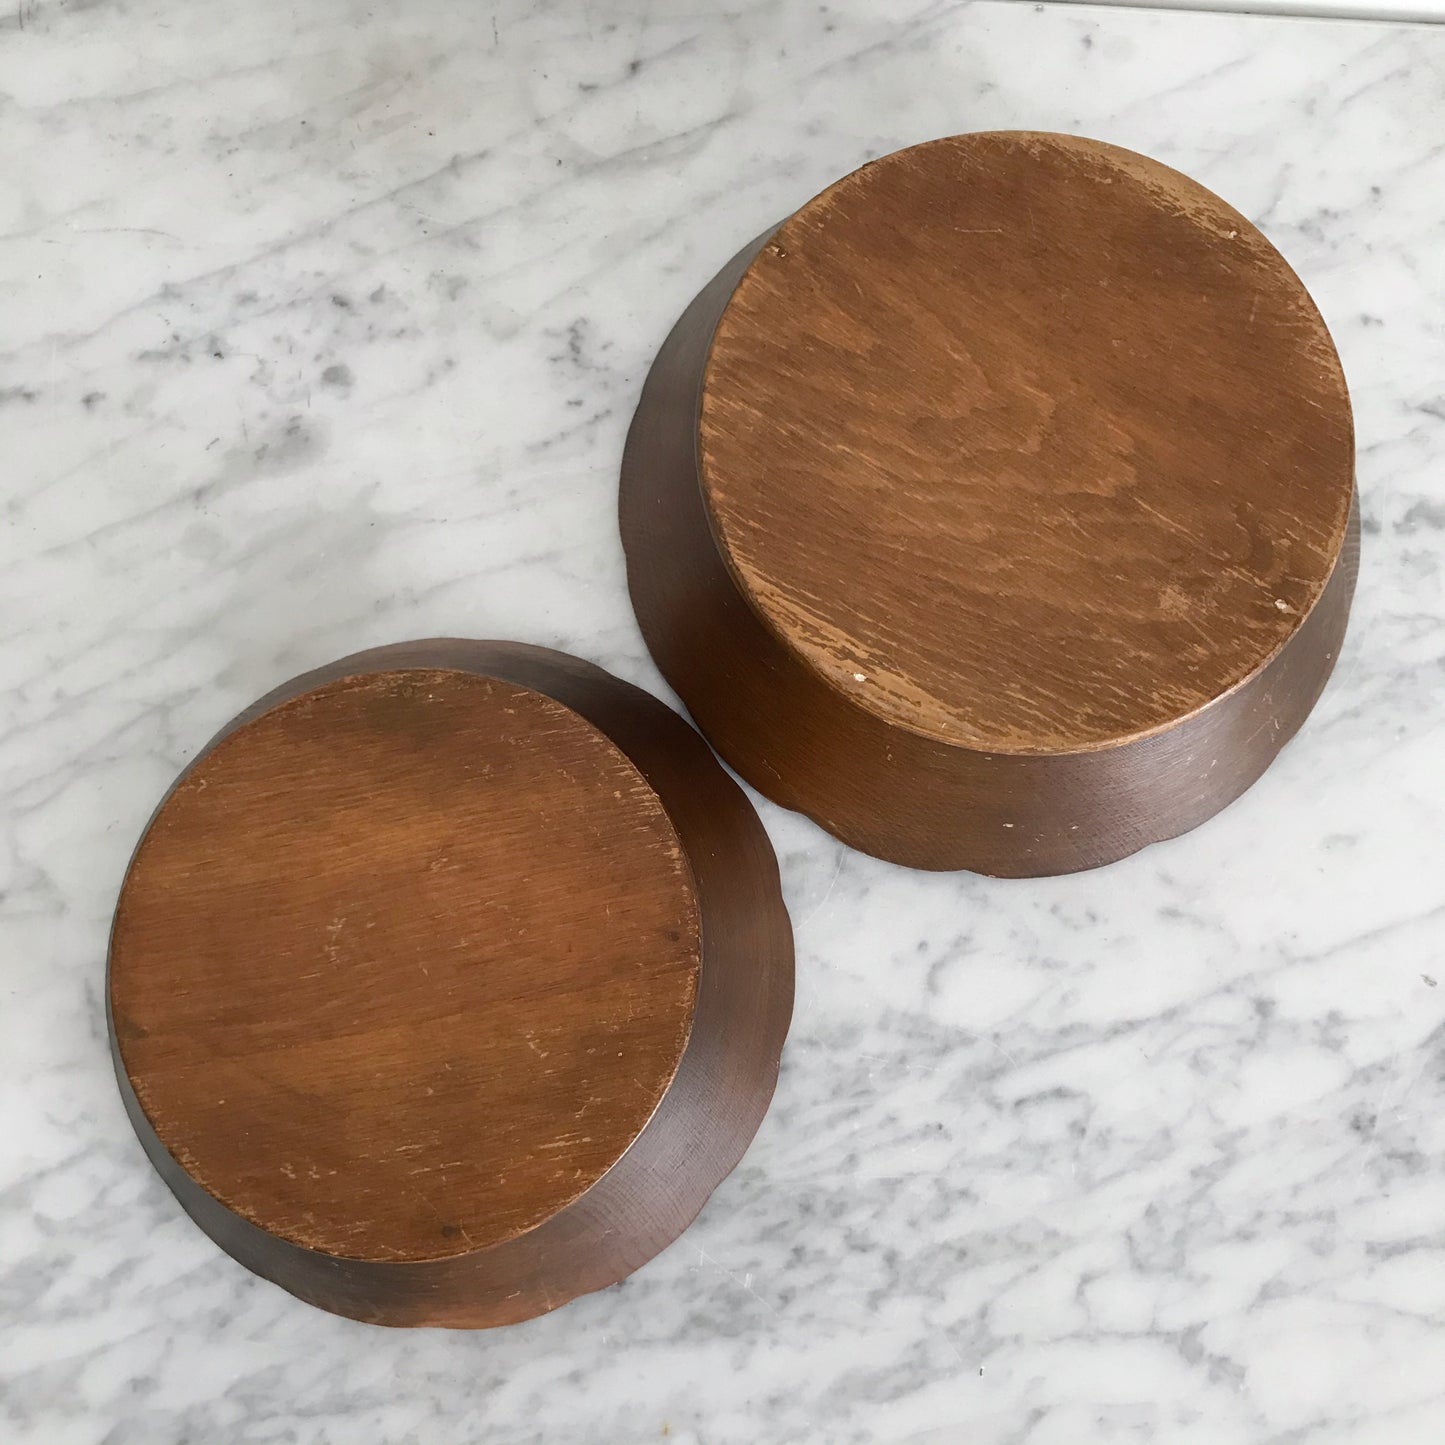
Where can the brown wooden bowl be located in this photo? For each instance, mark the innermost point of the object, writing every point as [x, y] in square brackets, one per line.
[448, 982]
[997, 509]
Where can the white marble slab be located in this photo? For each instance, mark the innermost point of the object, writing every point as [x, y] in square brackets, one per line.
[1423, 12]
[320, 326]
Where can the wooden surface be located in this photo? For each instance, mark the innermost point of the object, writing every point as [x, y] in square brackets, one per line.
[996, 510]
[410, 993]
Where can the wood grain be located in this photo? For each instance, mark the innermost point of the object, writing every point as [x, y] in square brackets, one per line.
[448, 982]
[996, 510]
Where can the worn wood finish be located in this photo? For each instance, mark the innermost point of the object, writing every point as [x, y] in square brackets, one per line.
[997, 509]
[448, 982]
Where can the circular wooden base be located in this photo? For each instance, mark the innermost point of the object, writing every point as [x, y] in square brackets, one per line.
[997, 509]
[448, 981]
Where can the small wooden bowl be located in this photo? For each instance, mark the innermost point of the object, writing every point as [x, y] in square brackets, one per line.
[997, 509]
[448, 982]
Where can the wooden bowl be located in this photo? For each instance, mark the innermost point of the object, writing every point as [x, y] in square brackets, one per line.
[997, 509]
[448, 982]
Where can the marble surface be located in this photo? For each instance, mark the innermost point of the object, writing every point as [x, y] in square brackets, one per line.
[320, 327]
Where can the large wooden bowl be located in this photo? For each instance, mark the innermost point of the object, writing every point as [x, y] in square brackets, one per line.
[448, 982]
[996, 509]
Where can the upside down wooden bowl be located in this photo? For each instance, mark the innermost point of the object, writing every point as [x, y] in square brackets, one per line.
[997, 509]
[448, 982]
